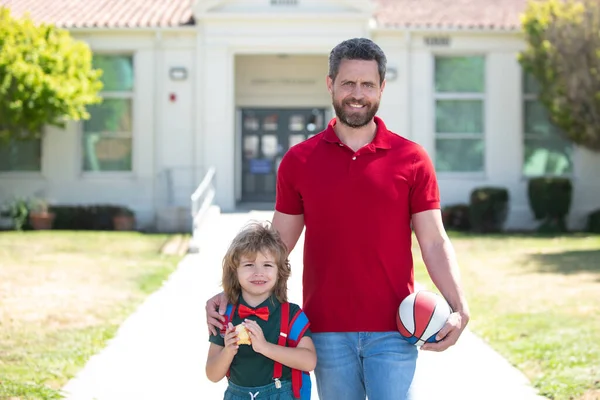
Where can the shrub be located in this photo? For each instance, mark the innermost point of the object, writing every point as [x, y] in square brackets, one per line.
[550, 201]
[17, 210]
[488, 209]
[594, 222]
[562, 54]
[89, 217]
[456, 217]
[46, 77]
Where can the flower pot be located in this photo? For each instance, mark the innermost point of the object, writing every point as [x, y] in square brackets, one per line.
[41, 220]
[123, 222]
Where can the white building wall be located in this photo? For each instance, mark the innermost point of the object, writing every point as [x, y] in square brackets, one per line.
[503, 122]
[586, 185]
[281, 81]
[504, 134]
[393, 108]
[277, 81]
[219, 120]
[420, 105]
[162, 133]
[178, 164]
[62, 180]
[225, 37]
[225, 52]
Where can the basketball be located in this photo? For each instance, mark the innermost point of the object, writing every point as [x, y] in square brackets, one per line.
[421, 315]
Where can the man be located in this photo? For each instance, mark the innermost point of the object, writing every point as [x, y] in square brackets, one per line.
[358, 189]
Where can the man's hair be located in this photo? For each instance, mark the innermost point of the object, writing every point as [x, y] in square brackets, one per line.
[254, 238]
[357, 49]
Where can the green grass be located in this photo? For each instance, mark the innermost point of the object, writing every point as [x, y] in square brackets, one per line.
[62, 296]
[536, 300]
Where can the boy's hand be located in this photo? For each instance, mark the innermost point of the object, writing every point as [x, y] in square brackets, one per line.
[231, 340]
[259, 343]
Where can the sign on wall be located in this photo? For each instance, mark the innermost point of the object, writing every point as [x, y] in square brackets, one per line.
[437, 41]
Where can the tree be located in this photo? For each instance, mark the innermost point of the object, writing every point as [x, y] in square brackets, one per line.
[563, 56]
[46, 78]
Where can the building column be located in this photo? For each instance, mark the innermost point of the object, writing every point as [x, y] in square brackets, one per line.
[218, 122]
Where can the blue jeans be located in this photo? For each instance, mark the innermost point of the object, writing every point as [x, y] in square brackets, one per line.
[356, 365]
[267, 392]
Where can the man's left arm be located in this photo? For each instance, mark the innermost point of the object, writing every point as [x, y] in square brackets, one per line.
[440, 260]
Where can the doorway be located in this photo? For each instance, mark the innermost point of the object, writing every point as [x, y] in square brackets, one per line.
[267, 134]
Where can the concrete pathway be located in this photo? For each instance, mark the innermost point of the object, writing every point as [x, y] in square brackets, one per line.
[160, 351]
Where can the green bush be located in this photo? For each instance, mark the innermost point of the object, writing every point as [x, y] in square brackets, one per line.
[46, 77]
[18, 211]
[456, 217]
[550, 201]
[562, 54]
[594, 222]
[488, 209]
[89, 217]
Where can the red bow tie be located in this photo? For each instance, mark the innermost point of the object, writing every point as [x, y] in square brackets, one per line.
[262, 313]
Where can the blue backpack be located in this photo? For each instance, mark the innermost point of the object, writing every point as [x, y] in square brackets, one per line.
[289, 335]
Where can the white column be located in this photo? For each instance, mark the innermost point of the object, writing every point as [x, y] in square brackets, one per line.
[219, 120]
[393, 107]
[422, 104]
[504, 135]
[504, 116]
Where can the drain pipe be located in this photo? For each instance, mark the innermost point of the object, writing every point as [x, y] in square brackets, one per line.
[157, 174]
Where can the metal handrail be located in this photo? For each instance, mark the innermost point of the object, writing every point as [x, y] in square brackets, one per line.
[203, 197]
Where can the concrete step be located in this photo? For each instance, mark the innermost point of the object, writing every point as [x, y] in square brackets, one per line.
[173, 219]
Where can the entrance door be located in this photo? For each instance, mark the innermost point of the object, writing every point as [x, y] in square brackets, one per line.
[267, 134]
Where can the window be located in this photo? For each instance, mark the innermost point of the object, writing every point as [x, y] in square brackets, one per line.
[108, 134]
[547, 152]
[21, 156]
[459, 113]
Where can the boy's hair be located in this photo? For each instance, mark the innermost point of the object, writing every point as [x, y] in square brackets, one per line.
[255, 237]
[357, 49]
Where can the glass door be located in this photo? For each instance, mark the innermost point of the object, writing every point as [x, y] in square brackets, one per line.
[267, 134]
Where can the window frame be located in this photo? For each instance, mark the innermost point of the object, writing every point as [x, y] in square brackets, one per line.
[112, 94]
[460, 96]
[21, 174]
[525, 97]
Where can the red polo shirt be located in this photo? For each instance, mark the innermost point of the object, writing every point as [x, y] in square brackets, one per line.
[357, 210]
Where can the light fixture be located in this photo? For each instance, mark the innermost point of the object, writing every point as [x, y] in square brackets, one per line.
[178, 73]
[391, 74]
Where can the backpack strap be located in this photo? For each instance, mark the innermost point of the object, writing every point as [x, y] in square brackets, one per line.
[290, 334]
[283, 335]
[298, 326]
[229, 313]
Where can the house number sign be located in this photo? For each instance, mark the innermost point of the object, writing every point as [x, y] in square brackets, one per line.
[437, 41]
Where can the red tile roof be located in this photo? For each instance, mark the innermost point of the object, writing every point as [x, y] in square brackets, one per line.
[105, 13]
[458, 14]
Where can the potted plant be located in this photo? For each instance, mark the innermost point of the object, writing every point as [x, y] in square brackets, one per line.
[124, 219]
[16, 211]
[40, 217]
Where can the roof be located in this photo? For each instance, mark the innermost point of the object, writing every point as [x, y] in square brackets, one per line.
[432, 14]
[105, 13]
[450, 14]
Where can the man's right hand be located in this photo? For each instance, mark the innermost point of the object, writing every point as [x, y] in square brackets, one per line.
[215, 311]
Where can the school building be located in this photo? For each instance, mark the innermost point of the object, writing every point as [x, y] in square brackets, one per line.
[232, 84]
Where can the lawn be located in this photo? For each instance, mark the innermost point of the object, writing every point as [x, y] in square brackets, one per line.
[63, 295]
[536, 300]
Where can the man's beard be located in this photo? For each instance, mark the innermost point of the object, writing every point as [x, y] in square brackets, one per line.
[357, 119]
